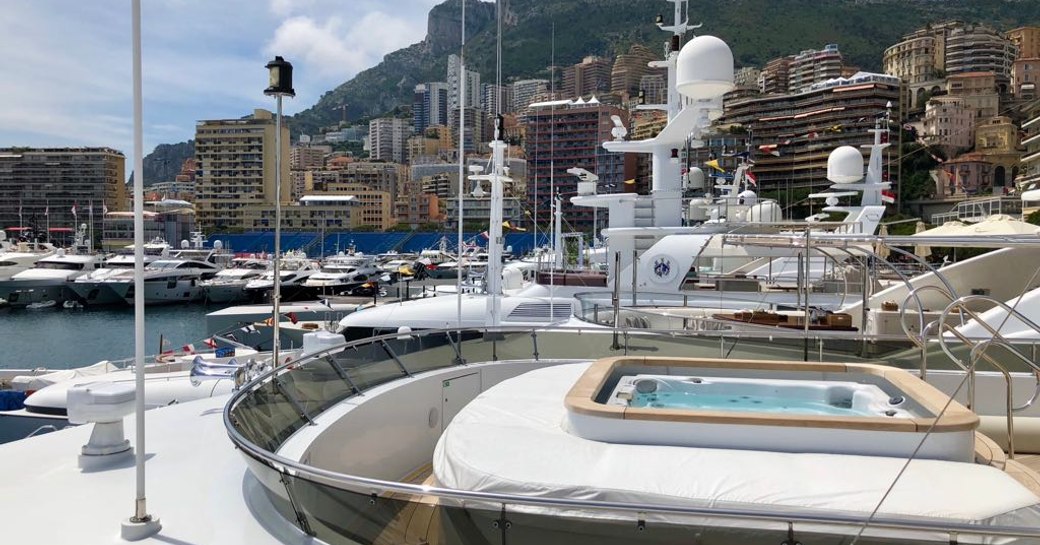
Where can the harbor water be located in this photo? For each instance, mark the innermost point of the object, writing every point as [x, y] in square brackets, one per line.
[61, 338]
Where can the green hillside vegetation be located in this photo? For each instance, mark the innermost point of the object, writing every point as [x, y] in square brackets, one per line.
[757, 30]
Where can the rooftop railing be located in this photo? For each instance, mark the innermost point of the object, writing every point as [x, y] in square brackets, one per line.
[350, 508]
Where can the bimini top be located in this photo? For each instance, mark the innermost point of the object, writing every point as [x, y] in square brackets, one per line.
[512, 439]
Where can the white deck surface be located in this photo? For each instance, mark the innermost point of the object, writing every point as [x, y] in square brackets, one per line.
[197, 486]
[511, 439]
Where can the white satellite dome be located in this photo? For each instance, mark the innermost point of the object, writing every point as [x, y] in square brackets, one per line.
[695, 178]
[765, 212]
[704, 68]
[748, 197]
[845, 165]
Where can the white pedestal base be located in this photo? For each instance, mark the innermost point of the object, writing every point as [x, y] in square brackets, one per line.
[135, 531]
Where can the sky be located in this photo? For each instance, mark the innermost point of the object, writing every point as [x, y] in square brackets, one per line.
[67, 63]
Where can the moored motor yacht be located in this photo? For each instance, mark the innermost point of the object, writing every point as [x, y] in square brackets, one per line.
[166, 281]
[228, 286]
[93, 288]
[295, 270]
[341, 273]
[48, 279]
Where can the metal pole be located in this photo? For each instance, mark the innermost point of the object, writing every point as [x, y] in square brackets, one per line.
[635, 262]
[805, 277]
[276, 294]
[462, 161]
[615, 298]
[141, 524]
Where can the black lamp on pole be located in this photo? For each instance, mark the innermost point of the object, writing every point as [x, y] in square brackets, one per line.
[280, 86]
[281, 78]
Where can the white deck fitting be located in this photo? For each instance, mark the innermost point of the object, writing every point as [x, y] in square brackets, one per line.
[197, 485]
[511, 439]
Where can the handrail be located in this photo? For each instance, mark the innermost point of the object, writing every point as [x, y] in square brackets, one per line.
[960, 305]
[978, 347]
[372, 486]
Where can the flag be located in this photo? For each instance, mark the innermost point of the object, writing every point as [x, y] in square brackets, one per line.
[751, 179]
[812, 134]
[188, 348]
[19, 211]
[269, 322]
[630, 182]
[47, 211]
[292, 317]
[742, 155]
[888, 197]
[714, 163]
[509, 226]
[210, 342]
[771, 149]
[834, 128]
[74, 210]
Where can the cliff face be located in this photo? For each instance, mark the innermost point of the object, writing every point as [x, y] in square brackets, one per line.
[757, 30]
[165, 161]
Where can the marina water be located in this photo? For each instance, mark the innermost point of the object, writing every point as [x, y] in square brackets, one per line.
[61, 338]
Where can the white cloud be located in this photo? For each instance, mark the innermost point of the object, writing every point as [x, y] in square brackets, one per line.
[334, 49]
[67, 63]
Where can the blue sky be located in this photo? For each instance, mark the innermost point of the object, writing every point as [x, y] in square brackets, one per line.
[67, 63]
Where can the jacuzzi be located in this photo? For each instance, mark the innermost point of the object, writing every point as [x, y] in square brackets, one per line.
[768, 405]
[787, 396]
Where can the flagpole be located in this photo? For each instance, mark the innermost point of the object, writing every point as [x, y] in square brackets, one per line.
[141, 524]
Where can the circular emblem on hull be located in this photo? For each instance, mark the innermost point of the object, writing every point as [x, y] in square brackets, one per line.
[662, 268]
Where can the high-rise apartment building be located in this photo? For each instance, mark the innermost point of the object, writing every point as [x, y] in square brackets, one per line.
[525, 91]
[654, 89]
[388, 139]
[430, 105]
[629, 68]
[472, 99]
[979, 48]
[774, 76]
[813, 66]
[807, 126]
[474, 135]
[1026, 41]
[497, 99]
[41, 186]
[236, 160]
[562, 135]
[304, 157]
[591, 76]
[747, 77]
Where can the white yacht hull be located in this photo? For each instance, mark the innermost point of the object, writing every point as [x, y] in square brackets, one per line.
[164, 292]
[225, 293]
[20, 293]
[95, 293]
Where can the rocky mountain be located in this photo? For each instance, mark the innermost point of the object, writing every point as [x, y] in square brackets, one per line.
[757, 30]
[165, 161]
